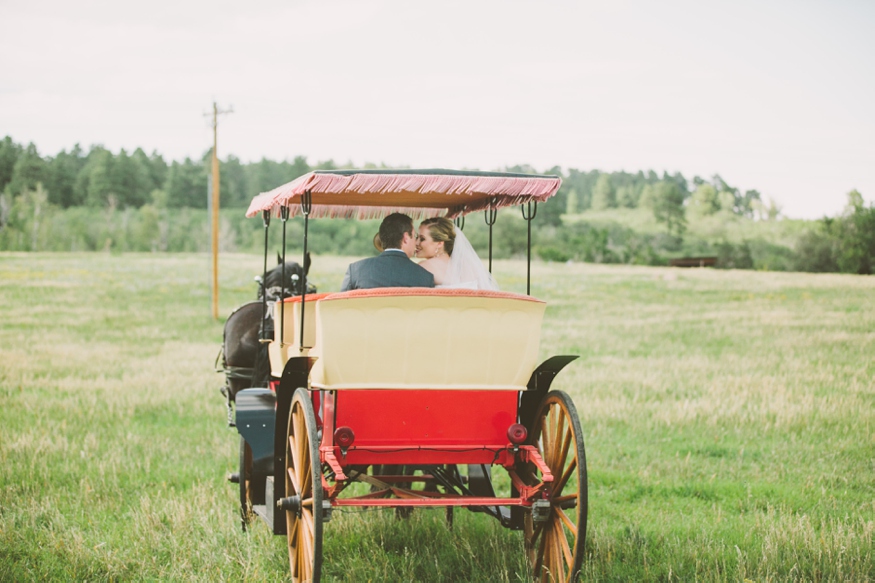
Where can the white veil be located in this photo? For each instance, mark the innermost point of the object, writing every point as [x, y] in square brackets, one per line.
[466, 269]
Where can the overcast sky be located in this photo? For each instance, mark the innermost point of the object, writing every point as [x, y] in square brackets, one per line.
[775, 96]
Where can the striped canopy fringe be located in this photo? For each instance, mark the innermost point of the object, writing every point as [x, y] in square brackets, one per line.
[361, 213]
[432, 194]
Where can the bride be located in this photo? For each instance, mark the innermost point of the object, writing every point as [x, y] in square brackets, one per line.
[450, 257]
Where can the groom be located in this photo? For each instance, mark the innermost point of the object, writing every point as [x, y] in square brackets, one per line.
[393, 267]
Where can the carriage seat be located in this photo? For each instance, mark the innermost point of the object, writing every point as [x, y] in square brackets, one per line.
[280, 352]
[423, 338]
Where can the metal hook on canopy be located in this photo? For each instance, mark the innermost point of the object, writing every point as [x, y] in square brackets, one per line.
[490, 215]
[265, 217]
[306, 203]
[306, 208]
[284, 216]
[460, 222]
[529, 210]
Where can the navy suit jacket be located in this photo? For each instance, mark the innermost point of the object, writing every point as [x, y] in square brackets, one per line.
[391, 268]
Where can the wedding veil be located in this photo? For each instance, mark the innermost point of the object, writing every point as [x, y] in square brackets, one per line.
[466, 269]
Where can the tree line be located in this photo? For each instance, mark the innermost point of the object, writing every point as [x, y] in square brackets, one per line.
[101, 178]
[150, 204]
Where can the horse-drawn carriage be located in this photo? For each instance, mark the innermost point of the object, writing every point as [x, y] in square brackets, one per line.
[406, 397]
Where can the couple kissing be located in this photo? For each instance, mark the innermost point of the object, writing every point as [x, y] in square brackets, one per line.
[449, 258]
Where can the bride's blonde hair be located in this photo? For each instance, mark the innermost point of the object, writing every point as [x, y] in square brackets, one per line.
[441, 229]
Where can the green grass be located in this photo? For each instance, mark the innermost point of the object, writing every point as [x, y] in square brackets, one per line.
[728, 417]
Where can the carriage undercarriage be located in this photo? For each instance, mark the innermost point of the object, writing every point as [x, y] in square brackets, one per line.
[301, 460]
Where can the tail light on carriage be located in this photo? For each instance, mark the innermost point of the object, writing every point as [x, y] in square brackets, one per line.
[517, 433]
[344, 436]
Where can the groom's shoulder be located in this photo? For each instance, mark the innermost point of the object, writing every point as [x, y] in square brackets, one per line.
[391, 256]
[383, 258]
[380, 258]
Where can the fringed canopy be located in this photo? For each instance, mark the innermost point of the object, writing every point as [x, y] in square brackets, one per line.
[368, 194]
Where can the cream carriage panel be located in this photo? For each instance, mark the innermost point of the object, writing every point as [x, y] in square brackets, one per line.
[415, 338]
[280, 352]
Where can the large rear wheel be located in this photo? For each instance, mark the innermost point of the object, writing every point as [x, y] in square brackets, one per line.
[303, 491]
[555, 545]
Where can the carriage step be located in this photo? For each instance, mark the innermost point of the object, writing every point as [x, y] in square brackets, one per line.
[261, 511]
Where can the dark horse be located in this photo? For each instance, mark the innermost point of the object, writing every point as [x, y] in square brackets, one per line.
[245, 361]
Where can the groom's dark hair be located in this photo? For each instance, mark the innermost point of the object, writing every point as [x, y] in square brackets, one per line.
[392, 230]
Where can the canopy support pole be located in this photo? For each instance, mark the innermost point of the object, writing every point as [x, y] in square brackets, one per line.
[490, 215]
[529, 212]
[306, 207]
[265, 217]
[284, 215]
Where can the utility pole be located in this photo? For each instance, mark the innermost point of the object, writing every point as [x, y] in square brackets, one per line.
[215, 205]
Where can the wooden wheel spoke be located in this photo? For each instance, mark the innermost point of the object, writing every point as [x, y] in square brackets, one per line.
[555, 557]
[555, 459]
[563, 543]
[307, 519]
[293, 478]
[541, 547]
[559, 485]
[297, 421]
[295, 548]
[303, 550]
[299, 432]
[300, 437]
[306, 477]
[293, 449]
[304, 456]
[569, 524]
[306, 552]
[292, 525]
[560, 500]
[545, 437]
[536, 531]
[558, 563]
[566, 445]
[296, 524]
[549, 431]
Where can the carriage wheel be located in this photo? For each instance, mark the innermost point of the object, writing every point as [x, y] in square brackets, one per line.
[555, 547]
[245, 477]
[304, 488]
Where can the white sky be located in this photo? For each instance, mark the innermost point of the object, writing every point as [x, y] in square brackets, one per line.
[778, 96]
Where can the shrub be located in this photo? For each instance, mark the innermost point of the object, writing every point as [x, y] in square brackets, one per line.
[731, 256]
[551, 253]
[816, 252]
[856, 235]
[771, 257]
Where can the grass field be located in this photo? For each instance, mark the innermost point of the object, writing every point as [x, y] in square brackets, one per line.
[729, 419]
